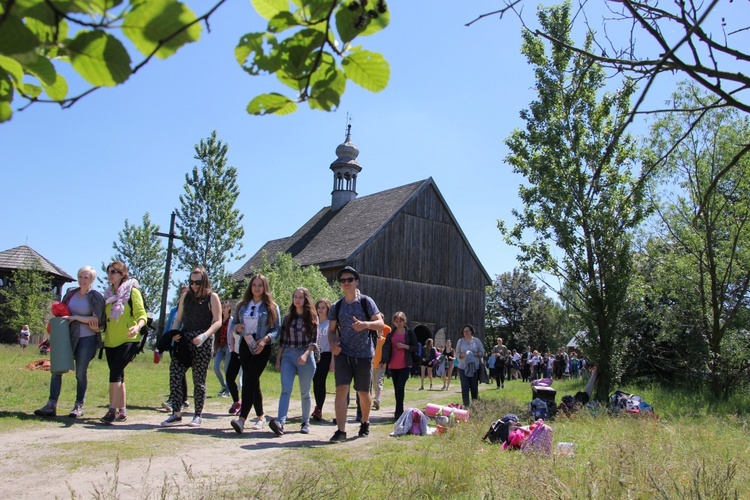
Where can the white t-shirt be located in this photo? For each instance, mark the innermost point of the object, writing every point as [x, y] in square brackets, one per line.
[251, 317]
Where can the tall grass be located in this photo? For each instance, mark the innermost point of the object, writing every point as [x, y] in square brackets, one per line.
[695, 449]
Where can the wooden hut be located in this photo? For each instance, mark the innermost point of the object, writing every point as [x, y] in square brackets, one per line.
[25, 257]
[405, 243]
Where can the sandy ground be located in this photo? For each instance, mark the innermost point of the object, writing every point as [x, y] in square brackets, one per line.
[142, 478]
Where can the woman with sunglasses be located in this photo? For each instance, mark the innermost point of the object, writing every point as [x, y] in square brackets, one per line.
[126, 315]
[258, 320]
[199, 313]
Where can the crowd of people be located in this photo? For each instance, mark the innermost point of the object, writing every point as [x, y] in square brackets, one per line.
[313, 338]
[506, 364]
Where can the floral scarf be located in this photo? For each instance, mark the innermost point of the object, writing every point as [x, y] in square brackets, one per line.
[118, 298]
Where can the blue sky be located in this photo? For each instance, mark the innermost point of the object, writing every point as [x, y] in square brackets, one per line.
[70, 178]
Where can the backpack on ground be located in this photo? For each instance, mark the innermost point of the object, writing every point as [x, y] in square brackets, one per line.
[500, 429]
[540, 440]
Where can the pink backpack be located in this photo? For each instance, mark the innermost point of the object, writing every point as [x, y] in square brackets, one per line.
[540, 439]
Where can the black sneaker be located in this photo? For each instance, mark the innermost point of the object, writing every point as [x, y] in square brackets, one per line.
[364, 429]
[276, 427]
[109, 417]
[338, 436]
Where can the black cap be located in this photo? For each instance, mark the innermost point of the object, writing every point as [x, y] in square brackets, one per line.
[348, 269]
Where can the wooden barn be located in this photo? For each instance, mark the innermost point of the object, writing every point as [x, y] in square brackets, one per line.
[405, 243]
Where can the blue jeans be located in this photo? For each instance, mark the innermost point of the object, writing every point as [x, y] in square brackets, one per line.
[289, 369]
[469, 385]
[84, 353]
[221, 354]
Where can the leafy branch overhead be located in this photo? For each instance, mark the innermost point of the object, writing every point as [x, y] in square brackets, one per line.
[315, 57]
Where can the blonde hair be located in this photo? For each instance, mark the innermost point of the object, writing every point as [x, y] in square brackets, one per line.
[88, 269]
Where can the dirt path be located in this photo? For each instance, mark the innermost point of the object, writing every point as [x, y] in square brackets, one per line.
[46, 462]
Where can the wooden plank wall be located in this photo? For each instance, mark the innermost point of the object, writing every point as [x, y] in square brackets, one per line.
[420, 264]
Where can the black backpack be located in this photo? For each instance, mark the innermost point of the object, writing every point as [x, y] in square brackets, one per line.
[366, 309]
[146, 328]
[500, 429]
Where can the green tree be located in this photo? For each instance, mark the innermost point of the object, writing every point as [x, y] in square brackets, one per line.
[285, 275]
[314, 56]
[580, 193]
[705, 220]
[141, 249]
[508, 299]
[208, 222]
[26, 300]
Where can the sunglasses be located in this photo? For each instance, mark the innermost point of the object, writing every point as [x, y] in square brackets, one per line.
[114, 271]
[195, 282]
[347, 280]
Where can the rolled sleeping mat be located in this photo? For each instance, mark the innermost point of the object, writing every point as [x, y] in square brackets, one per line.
[61, 352]
[432, 409]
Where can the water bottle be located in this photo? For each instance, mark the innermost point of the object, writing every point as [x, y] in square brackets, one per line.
[157, 356]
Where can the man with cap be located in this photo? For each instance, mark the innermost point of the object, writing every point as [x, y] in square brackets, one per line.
[350, 321]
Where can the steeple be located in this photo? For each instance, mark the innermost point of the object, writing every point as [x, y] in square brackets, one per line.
[345, 170]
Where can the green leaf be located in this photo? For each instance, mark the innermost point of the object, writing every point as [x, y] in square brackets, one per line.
[31, 90]
[270, 8]
[152, 22]
[377, 24]
[282, 21]
[297, 52]
[99, 7]
[5, 111]
[15, 37]
[6, 96]
[13, 69]
[367, 69]
[58, 89]
[99, 58]
[347, 21]
[328, 84]
[315, 11]
[40, 67]
[271, 104]
[252, 46]
[47, 34]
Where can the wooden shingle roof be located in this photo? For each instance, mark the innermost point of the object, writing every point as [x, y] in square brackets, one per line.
[331, 238]
[24, 256]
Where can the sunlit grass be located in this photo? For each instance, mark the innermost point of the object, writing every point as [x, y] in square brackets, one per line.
[694, 449]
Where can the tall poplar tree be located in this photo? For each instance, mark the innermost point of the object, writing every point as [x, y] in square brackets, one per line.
[581, 200]
[208, 222]
[142, 250]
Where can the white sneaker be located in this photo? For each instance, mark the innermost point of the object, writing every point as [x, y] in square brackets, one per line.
[238, 425]
[196, 422]
[260, 422]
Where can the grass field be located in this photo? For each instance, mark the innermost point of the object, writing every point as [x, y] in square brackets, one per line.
[693, 450]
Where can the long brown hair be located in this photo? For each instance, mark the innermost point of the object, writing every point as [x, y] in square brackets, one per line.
[204, 289]
[309, 315]
[267, 298]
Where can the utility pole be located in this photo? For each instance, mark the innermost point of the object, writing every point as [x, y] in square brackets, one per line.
[167, 271]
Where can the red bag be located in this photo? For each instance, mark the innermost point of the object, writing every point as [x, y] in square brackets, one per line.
[60, 309]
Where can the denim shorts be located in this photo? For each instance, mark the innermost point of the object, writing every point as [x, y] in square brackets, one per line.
[348, 367]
